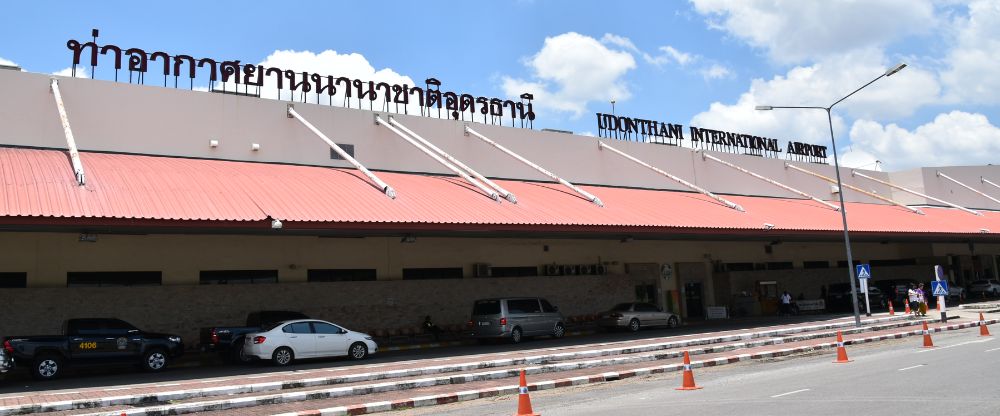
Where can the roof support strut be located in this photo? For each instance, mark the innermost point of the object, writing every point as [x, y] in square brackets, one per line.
[503, 192]
[891, 185]
[987, 181]
[386, 189]
[585, 194]
[721, 200]
[74, 155]
[939, 173]
[768, 180]
[854, 188]
[488, 191]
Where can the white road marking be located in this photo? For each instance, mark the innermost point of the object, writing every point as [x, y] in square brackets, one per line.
[955, 345]
[791, 392]
[910, 368]
[991, 350]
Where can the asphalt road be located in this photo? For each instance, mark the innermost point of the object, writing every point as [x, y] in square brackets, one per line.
[19, 382]
[958, 377]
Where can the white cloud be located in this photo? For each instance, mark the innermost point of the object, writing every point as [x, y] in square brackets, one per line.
[795, 31]
[955, 138]
[716, 71]
[973, 72]
[820, 85]
[619, 41]
[7, 62]
[670, 54]
[81, 72]
[571, 70]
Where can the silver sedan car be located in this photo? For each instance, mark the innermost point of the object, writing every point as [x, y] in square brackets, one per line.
[635, 315]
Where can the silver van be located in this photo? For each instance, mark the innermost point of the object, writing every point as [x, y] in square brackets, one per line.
[515, 318]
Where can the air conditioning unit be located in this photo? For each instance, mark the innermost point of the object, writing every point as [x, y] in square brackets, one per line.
[481, 270]
[570, 269]
[553, 270]
[600, 269]
[586, 269]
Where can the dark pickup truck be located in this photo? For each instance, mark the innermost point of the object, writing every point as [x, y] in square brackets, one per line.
[91, 342]
[228, 341]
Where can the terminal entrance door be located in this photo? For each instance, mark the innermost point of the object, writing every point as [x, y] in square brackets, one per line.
[693, 300]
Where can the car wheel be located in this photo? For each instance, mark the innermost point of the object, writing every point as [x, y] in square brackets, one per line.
[559, 331]
[672, 322]
[239, 355]
[633, 325]
[515, 335]
[358, 351]
[282, 356]
[154, 360]
[46, 367]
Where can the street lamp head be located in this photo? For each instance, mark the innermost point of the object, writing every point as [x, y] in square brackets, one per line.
[764, 108]
[895, 69]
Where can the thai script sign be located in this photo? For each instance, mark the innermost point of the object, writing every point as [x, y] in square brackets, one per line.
[651, 131]
[389, 96]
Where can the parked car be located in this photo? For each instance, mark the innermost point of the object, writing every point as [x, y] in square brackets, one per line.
[287, 341]
[895, 290]
[5, 361]
[515, 318]
[635, 315]
[988, 286]
[839, 296]
[92, 342]
[229, 341]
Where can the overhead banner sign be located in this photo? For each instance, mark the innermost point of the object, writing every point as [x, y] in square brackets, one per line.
[429, 99]
[611, 126]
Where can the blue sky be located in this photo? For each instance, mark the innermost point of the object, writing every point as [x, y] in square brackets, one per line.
[703, 62]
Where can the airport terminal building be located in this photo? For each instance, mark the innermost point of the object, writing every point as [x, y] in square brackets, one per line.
[176, 209]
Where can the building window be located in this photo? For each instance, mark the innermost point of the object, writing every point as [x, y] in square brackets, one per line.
[110, 279]
[427, 273]
[238, 277]
[779, 265]
[739, 267]
[816, 264]
[348, 148]
[843, 263]
[513, 271]
[341, 275]
[9, 280]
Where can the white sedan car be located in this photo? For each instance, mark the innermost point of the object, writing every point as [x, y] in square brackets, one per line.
[307, 338]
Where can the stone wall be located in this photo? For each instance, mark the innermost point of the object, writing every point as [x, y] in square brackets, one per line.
[364, 306]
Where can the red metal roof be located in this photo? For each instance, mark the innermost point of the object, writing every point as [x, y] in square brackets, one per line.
[39, 183]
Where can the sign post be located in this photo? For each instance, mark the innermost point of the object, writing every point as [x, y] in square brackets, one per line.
[940, 289]
[864, 272]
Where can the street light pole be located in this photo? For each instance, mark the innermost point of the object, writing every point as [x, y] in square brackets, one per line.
[840, 187]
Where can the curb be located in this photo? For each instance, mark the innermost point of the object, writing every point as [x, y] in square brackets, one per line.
[167, 396]
[426, 401]
[458, 343]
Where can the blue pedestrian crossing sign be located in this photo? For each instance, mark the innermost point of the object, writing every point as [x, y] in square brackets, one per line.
[864, 271]
[939, 287]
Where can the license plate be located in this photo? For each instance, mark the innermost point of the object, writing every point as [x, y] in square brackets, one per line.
[484, 324]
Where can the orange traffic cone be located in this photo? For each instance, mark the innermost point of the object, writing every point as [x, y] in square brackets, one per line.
[908, 311]
[927, 337]
[891, 312]
[939, 306]
[841, 351]
[983, 331]
[688, 383]
[523, 401]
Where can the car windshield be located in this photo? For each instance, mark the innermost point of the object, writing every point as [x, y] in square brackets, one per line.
[486, 307]
[622, 307]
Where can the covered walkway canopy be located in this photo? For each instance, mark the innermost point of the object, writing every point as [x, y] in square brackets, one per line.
[134, 190]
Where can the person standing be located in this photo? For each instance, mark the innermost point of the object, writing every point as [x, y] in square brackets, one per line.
[922, 300]
[911, 296]
[786, 303]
